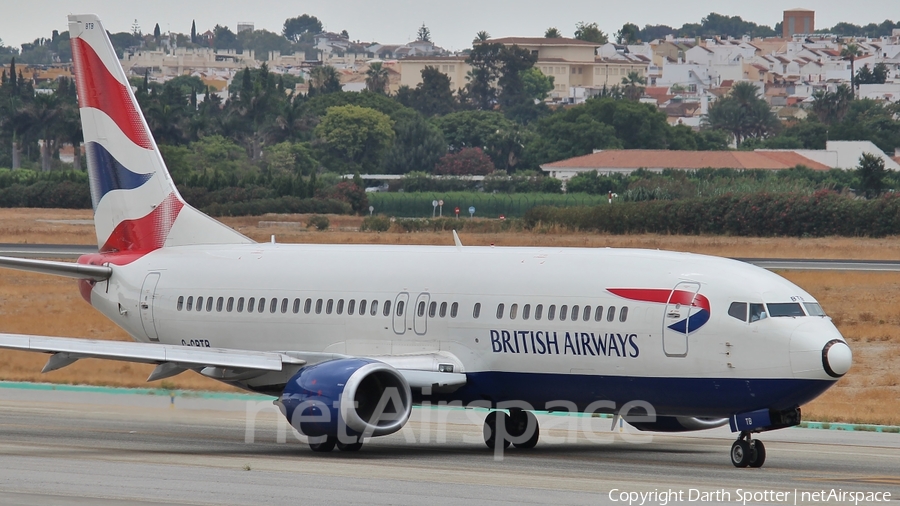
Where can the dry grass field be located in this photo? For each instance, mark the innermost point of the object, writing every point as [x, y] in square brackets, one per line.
[865, 306]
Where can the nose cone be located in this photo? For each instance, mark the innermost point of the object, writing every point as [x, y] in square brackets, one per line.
[818, 351]
[836, 358]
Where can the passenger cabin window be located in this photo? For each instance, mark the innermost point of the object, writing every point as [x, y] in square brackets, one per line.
[513, 311]
[190, 303]
[454, 309]
[209, 304]
[598, 314]
[251, 304]
[230, 306]
[284, 305]
[432, 309]
[526, 311]
[813, 309]
[180, 303]
[611, 313]
[319, 306]
[273, 306]
[219, 303]
[537, 311]
[329, 306]
[307, 306]
[623, 314]
[362, 307]
[240, 306]
[374, 308]
[262, 305]
[387, 308]
[738, 310]
[551, 312]
[574, 312]
[421, 309]
[757, 312]
[500, 310]
[476, 311]
[443, 312]
[199, 303]
[340, 306]
[587, 313]
[351, 306]
[785, 309]
[563, 312]
[296, 307]
[400, 305]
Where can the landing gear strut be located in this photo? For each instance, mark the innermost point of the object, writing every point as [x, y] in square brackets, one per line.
[521, 429]
[748, 452]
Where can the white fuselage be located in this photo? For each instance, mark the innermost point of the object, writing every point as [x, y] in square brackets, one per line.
[313, 287]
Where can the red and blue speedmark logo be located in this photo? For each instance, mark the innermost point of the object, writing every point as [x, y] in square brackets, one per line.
[698, 304]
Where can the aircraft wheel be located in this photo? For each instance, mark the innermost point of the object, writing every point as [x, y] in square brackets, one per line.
[758, 453]
[741, 453]
[519, 422]
[349, 447]
[322, 444]
[493, 419]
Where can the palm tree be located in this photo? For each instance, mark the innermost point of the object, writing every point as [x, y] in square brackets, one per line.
[830, 106]
[45, 115]
[377, 78]
[850, 52]
[633, 84]
[481, 36]
[324, 79]
[552, 33]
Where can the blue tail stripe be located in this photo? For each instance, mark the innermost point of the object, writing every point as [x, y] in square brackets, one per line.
[107, 174]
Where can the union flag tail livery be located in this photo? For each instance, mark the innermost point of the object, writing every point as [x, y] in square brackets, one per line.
[136, 205]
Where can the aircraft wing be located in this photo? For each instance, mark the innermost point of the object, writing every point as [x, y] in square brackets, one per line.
[421, 371]
[171, 359]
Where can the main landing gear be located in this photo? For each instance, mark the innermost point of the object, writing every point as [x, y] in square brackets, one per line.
[324, 444]
[748, 452]
[519, 428]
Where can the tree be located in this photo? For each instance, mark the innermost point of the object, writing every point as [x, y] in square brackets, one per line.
[323, 80]
[634, 86]
[552, 33]
[536, 85]
[513, 61]
[354, 138]
[628, 34]
[418, 146]
[481, 36]
[424, 33]
[830, 107]
[871, 174]
[879, 73]
[499, 137]
[261, 42]
[467, 162]
[431, 97]
[224, 38]
[302, 26]
[484, 60]
[865, 76]
[743, 114]
[193, 31]
[156, 33]
[590, 32]
[850, 52]
[377, 79]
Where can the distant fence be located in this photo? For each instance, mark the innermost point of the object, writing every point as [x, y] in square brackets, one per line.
[487, 205]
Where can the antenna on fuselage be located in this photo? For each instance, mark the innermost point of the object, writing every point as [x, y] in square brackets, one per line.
[457, 241]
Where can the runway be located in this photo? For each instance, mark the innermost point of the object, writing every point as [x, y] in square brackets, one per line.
[75, 446]
[73, 251]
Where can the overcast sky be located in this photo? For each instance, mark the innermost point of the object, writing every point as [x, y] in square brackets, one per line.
[453, 23]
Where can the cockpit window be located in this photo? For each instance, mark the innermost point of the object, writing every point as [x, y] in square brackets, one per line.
[785, 309]
[757, 312]
[813, 309]
[738, 310]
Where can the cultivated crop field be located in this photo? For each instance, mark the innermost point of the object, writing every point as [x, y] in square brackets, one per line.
[865, 306]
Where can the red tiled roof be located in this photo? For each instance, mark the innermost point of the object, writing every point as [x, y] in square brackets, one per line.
[666, 159]
[543, 41]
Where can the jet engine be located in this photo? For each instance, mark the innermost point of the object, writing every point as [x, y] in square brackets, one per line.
[679, 424]
[348, 397]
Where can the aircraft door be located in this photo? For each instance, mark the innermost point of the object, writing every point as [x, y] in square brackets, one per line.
[420, 318]
[148, 294]
[400, 312]
[677, 318]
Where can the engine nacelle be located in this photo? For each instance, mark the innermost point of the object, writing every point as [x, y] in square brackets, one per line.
[348, 396]
[679, 424]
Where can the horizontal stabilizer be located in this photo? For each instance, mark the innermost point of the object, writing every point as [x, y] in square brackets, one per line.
[67, 269]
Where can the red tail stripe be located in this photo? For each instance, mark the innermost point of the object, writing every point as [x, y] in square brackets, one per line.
[97, 88]
[148, 233]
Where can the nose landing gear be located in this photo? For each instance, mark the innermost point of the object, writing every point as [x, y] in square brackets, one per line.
[748, 452]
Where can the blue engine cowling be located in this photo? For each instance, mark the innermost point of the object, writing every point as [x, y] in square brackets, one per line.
[678, 424]
[348, 396]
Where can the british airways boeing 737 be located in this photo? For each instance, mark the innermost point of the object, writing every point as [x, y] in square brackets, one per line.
[349, 338]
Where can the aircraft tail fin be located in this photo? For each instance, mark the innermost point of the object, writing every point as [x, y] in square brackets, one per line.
[136, 205]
